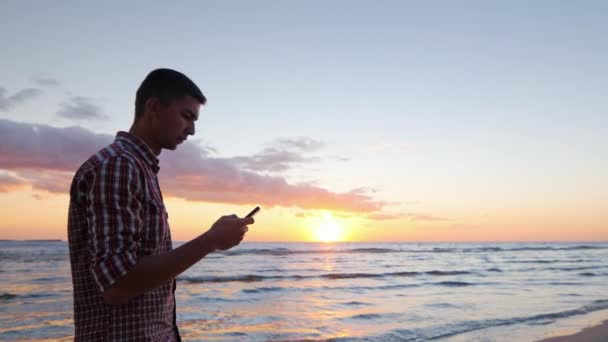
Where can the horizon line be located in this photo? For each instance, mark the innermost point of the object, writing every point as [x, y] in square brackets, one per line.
[341, 242]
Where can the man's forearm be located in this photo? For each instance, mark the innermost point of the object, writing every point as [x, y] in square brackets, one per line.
[151, 271]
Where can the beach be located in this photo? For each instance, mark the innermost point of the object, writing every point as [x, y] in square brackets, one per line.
[597, 333]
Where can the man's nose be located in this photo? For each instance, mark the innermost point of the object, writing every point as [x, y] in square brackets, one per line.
[191, 129]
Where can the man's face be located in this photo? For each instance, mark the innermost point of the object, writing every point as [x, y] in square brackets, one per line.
[176, 121]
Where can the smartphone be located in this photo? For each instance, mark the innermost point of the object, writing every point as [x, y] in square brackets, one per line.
[253, 212]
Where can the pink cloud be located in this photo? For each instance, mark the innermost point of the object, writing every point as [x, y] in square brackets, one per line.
[41, 147]
[9, 182]
[193, 175]
[404, 216]
[46, 157]
[48, 180]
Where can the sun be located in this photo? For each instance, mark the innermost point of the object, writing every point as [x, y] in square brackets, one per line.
[328, 229]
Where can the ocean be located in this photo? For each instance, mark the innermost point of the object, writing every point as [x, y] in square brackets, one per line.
[340, 291]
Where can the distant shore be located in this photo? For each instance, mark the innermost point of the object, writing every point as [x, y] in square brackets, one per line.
[598, 333]
[32, 240]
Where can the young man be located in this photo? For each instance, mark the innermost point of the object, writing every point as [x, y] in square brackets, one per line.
[121, 255]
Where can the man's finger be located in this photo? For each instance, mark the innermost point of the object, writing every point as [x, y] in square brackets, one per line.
[247, 220]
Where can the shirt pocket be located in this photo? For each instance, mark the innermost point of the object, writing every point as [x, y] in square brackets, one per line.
[156, 223]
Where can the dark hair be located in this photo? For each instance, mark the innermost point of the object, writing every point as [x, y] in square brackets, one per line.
[166, 85]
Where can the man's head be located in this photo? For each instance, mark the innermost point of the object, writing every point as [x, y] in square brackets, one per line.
[166, 105]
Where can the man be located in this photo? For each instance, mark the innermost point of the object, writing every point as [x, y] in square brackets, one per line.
[121, 255]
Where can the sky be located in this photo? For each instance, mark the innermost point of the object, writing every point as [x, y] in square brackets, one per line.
[415, 121]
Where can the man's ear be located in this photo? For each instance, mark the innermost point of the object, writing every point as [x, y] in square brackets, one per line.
[152, 107]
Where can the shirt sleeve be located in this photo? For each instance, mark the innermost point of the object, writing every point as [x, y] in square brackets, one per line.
[115, 220]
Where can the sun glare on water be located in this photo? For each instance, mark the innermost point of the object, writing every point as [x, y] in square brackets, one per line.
[328, 229]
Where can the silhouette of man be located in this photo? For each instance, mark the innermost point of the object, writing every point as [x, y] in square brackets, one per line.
[122, 260]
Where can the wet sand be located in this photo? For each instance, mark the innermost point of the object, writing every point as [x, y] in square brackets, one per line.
[598, 333]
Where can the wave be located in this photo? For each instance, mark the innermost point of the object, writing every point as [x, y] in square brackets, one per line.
[446, 273]
[442, 306]
[248, 278]
[552, 261]
[534, 261]
[444, 331]
[6, 296]
[281, 251]
[565, 283]
[33, 257]
[51, 280]
[552, 248]
[366, 316]
[287, 251]
[358, 288]
[60, 253]
[355, 303]
[264, 289]
[510, 249]
[582, 268]
[454, 283]
[567, 269]
[392, 287]
[373, 288]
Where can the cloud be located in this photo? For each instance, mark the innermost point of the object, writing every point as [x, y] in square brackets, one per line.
[300, 143]
[284, 154]
[39, 197]
[53, 181]
[304, 214]
[47, 157]
[379, 216]
[194, 176]
[426, 217]
[341, 215]
[281, 156]
[272, 160]
[41, 147]
[9, 182]
[47, 82]
[80, 108]
[8, 103]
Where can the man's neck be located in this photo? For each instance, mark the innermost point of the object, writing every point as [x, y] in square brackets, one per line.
[140, 132]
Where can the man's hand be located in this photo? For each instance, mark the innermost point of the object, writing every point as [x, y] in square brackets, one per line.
[228, 231]
[153, 270]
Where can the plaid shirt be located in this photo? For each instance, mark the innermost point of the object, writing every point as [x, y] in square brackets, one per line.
[116, 216]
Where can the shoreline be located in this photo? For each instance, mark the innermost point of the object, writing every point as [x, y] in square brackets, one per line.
[595, 333]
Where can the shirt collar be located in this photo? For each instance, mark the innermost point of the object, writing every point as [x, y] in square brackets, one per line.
[140, 147]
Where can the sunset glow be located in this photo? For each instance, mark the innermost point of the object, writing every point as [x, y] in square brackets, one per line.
[328, 229]
[423, 133]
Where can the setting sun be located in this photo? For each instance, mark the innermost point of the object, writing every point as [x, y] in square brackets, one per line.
[328, 229]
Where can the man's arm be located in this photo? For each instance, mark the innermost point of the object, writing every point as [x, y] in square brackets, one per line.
[116, 222]
[151, 271]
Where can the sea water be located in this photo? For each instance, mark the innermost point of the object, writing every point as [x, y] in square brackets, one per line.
[339, 291]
